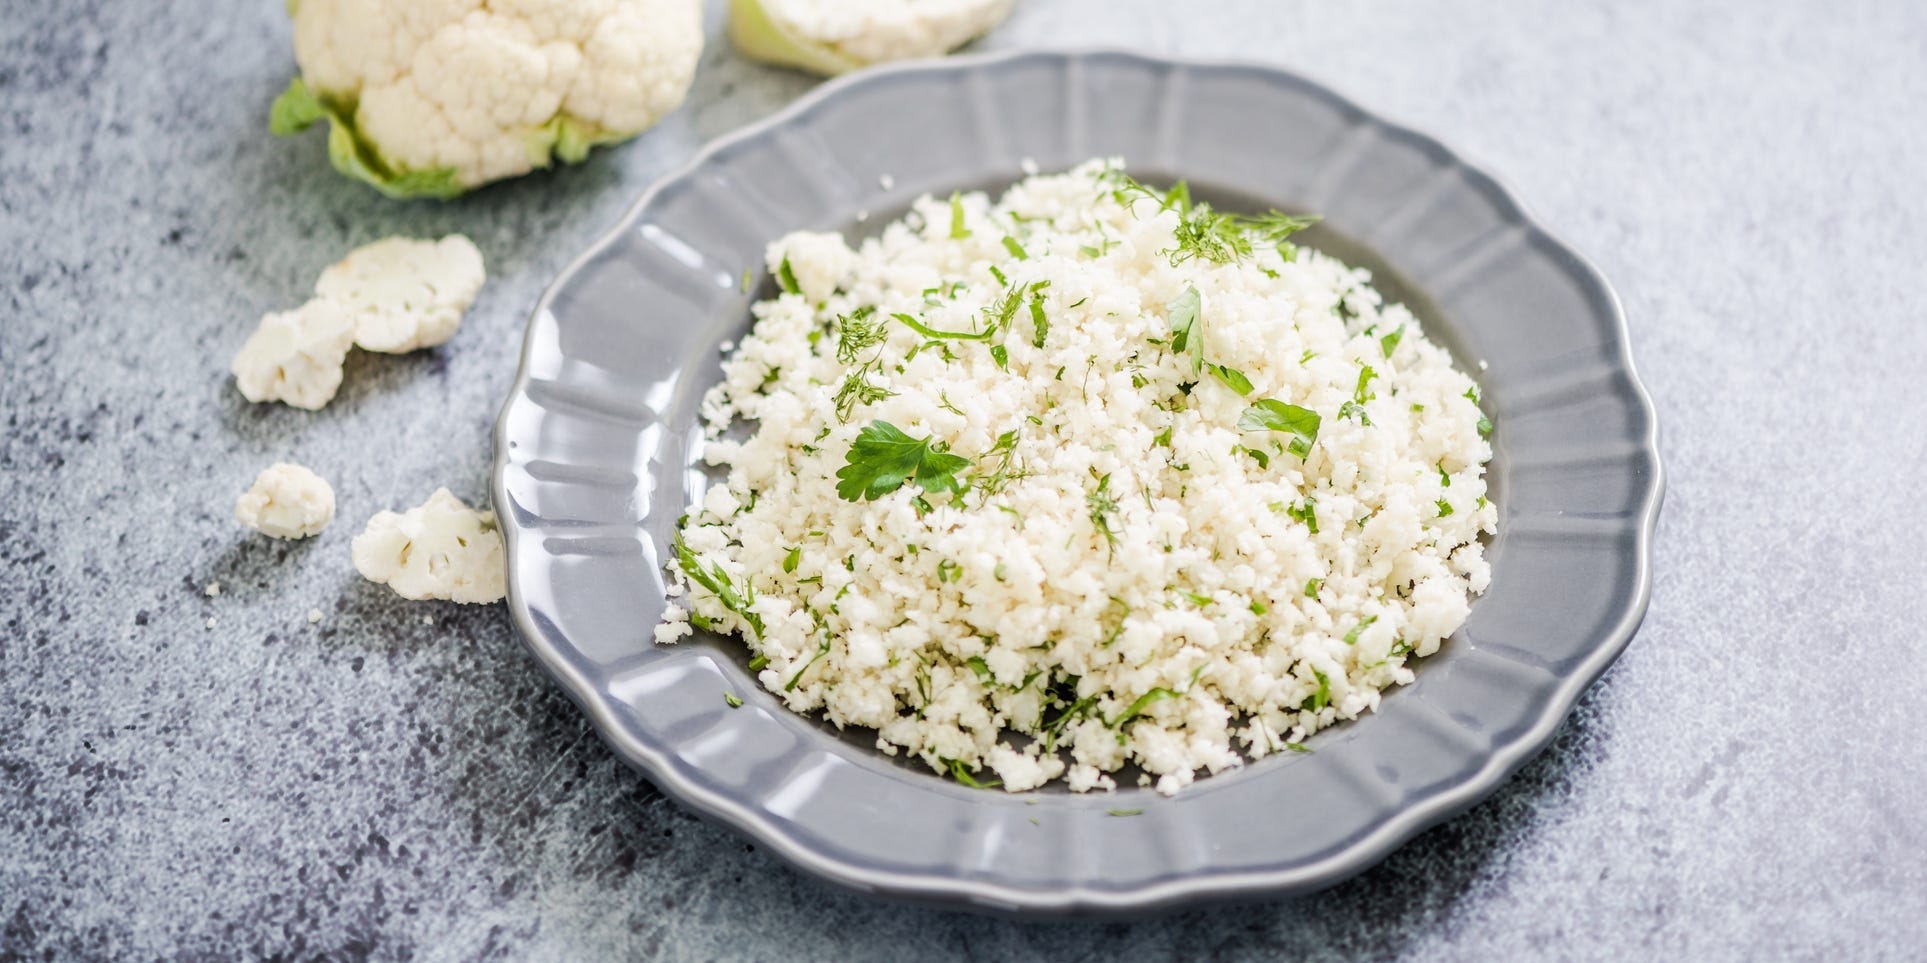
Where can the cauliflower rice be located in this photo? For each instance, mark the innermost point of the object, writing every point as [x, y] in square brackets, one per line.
[991, 500]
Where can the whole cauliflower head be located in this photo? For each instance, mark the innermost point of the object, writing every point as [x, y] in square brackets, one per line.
[287, 501]
[440, 550]
[837, 36]
[404, 293]
[295, 356]
[434, 97]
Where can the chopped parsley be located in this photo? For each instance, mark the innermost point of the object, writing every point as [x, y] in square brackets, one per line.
[1445, 508]
[1232, 378]
[786, 276]
[790, 560]
[1270, 414]
[822, 650]
[957, 229]
[1187, 336]
[963, 774]
[1124, 812]
[1389, 343]
[1016, 250]
[1037, 319]
[718, 583]
[732, 700]
[1307, 513]
[1297, 747]
[1319, 699]
[1137, 707]
[882, 458]
[1360, 394]
[1351, 638]
[1312, 586]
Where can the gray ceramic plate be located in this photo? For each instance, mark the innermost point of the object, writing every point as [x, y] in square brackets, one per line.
[594, 465]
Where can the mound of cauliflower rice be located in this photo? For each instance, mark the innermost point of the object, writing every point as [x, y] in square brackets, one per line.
[1087, 477]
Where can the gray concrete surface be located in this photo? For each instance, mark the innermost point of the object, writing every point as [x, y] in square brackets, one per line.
[400, 781]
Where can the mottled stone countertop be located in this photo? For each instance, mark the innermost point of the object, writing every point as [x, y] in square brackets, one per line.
[185, 775]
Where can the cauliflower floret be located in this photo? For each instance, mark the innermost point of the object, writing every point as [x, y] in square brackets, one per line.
[287, 501]
[295, 356]
[440, 550]
[836, 36]
[434, 97]
[405, 294]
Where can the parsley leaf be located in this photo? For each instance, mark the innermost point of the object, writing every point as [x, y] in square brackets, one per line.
[1351, 638]
[1445, 508]
[786, 276]
[790, 560]
[882, 458]
[1187, 335]
[1123, 812]
[1360, 395]
[718, 583]
[1317, 701]
[1143, 702]
[937, 333]
[957, 229]
[1389, 343]
[1312, 586]
[1269, 414]
[1307, 513]
[962, 773]
[732, 700]
[1016, 250]
[1232, 378]
[1037, 318]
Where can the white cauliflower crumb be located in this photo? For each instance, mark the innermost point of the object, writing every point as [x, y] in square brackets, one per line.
[210, 623]
[1098, 484]
[433, 97]
[213, 589]
[442, 549]
[837, 36]
[314, 616]
[286, 501]
[403, 293]
[295, 356]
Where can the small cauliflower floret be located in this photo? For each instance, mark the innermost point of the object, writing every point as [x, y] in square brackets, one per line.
[441, 550]
[295, 356]
[838, 36]
[403, 293]
[434, 97]
[287, 501]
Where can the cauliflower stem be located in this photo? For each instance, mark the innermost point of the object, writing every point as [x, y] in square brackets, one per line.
[298, 108]
[759, 37]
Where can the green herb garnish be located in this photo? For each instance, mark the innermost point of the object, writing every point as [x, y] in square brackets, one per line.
[1101, 505]
[1187, 337]
[1445, 508]
[1143, 702]
[1124, 812]
[732, 700]
[822, 650]
[1232, 378]
[786, 276]
[1317, 701]
[1268, 414]
[1037, 319]
[1307, 513]
[1016, 250]
[790, 560]
[957, 229]
[1360, 394]
[963, 774]
[1351, 638]
[1312, 586]
[1389, 343]
[718, 583]
[882, 458]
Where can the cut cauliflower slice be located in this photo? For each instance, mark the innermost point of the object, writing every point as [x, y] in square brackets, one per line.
[435, 97]
[295, 356]
[837, 36]
[405, 294]
[440, 550]
[287, 501]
